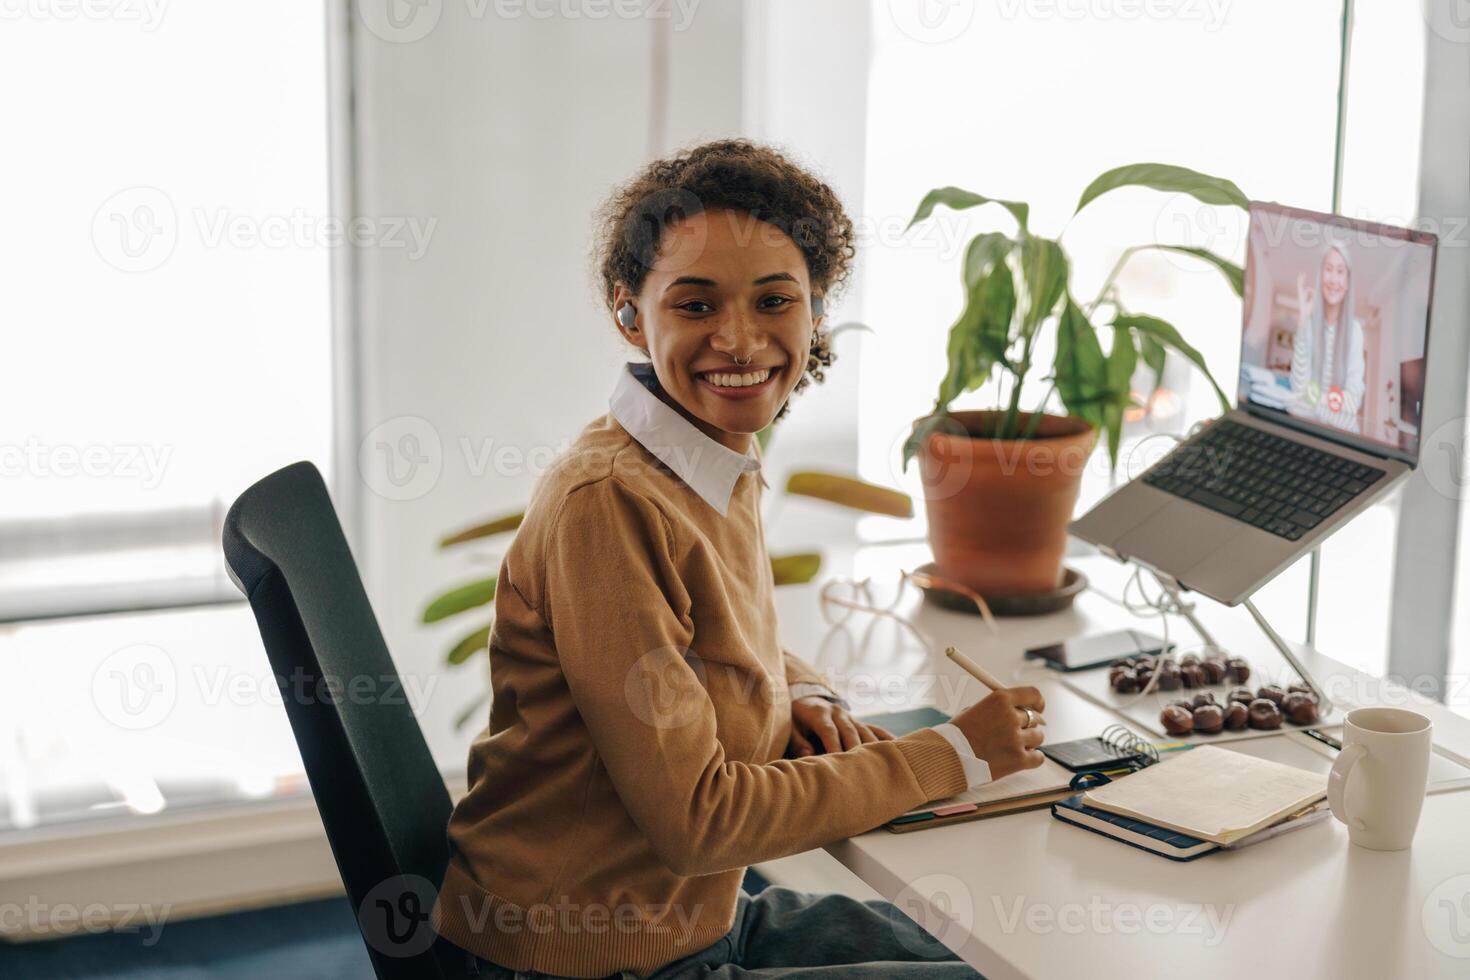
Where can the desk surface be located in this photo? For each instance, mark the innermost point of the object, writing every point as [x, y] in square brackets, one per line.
[1025, 895]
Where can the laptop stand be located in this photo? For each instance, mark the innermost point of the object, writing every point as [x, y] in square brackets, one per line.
[1186, 609]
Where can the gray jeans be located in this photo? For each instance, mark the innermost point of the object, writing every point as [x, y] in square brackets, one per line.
[785, 933]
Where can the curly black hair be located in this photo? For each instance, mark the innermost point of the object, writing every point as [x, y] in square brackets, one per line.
[737, 175]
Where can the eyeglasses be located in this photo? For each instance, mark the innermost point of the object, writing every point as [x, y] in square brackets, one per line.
[841, 597]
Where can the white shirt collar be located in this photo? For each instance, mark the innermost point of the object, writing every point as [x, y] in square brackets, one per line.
[707, 467]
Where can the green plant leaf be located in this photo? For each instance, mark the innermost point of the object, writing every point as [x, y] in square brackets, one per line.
[499, 525]
[1166, 177]
[469, 646]
[994, 300]
[983, 252]
[458, 600]
[1154, 356]
[921, 432]
[1044, 267]
[959, 200]
[979, 338]
[1233, 273]
[846, 491]
[1122, 359]
[1079, 371]
[795, 569]
[1167, 335]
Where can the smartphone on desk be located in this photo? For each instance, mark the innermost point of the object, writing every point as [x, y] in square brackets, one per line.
[1099, 650]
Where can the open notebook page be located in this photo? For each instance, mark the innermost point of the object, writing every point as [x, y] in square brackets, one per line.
[1045, 778]
[1211, 793]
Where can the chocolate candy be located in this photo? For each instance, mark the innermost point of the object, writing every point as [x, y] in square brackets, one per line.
[1177, 720]
[1237, 671]
[1300, 707]
[1202, 699]
[1264, 714]
[1209, 719]
[1272, 693]
[1241, 694]
[1192, 675]
[1298, 688]
[1214, 669]
[1236, 716]
[1169, 679]
[1126, 683]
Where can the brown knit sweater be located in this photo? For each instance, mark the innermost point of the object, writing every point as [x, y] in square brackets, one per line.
[633, 763]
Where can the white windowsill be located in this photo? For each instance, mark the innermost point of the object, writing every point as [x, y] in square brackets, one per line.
[167, 867]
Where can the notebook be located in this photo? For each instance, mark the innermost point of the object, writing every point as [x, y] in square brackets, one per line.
[1211, 793]
[1135, 833]
[1168, 843]
[1028, 789]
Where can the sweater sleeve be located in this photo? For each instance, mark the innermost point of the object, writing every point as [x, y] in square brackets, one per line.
[620, 617]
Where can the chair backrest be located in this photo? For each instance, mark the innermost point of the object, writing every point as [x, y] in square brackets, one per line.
[380, 794]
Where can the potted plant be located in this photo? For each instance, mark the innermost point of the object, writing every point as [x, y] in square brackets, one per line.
[1000, 484]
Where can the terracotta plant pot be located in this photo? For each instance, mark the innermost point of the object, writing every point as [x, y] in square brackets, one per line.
[998, 508]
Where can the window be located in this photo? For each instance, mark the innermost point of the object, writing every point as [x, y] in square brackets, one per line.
[1030, 102]
[167, 340]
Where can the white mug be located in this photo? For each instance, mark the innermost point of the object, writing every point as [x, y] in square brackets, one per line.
[1387, 750]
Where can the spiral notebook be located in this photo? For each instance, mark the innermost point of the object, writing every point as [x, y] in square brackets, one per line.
[1030, 789]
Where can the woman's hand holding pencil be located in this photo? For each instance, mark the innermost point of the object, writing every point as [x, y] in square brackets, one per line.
[1005, 727]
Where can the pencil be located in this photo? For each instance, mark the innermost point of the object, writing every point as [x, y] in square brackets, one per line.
[980, 674]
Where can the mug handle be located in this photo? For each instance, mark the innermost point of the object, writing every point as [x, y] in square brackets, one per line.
[1337, 780]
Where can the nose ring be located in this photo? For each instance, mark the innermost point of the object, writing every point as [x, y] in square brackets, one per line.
[740, 362]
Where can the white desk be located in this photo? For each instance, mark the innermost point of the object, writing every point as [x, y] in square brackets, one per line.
[1025, 895]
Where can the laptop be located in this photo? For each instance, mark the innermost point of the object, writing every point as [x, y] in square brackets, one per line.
[1321, 429]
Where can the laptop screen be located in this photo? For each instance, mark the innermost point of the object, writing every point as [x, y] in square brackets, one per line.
[1336, 325]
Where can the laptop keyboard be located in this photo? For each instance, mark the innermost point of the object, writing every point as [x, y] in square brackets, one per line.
[1255, 476]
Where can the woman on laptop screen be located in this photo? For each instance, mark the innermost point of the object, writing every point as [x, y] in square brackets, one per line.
[1327, 355]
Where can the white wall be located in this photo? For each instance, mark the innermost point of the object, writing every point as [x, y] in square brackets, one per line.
[510, 131]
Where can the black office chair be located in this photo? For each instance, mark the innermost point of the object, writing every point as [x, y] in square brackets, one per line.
[380, 794]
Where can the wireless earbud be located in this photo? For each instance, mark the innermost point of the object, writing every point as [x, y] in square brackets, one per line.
[626, 313]
[816, 307]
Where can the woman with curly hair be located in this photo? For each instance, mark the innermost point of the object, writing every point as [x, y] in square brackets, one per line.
[649, 737]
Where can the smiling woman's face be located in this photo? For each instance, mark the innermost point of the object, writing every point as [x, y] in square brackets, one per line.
[725, 288]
